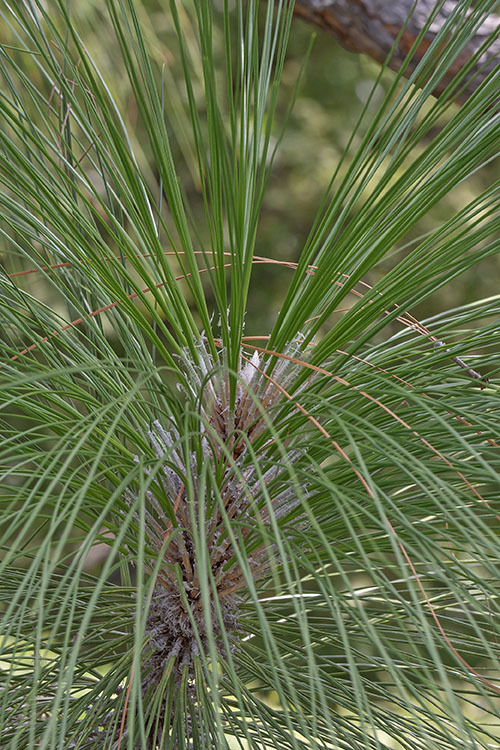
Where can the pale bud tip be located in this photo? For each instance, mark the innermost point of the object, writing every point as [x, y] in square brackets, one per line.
[249, 370]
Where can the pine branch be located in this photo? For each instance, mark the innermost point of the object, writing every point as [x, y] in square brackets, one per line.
[371, 27]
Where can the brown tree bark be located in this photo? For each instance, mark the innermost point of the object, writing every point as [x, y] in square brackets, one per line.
[372, 27]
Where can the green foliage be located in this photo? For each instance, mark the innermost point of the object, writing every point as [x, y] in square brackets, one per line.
[216, 539]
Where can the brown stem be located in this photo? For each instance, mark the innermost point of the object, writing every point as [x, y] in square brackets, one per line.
[372, 27]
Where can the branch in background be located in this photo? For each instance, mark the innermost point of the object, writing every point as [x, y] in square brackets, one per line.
[372, 27]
